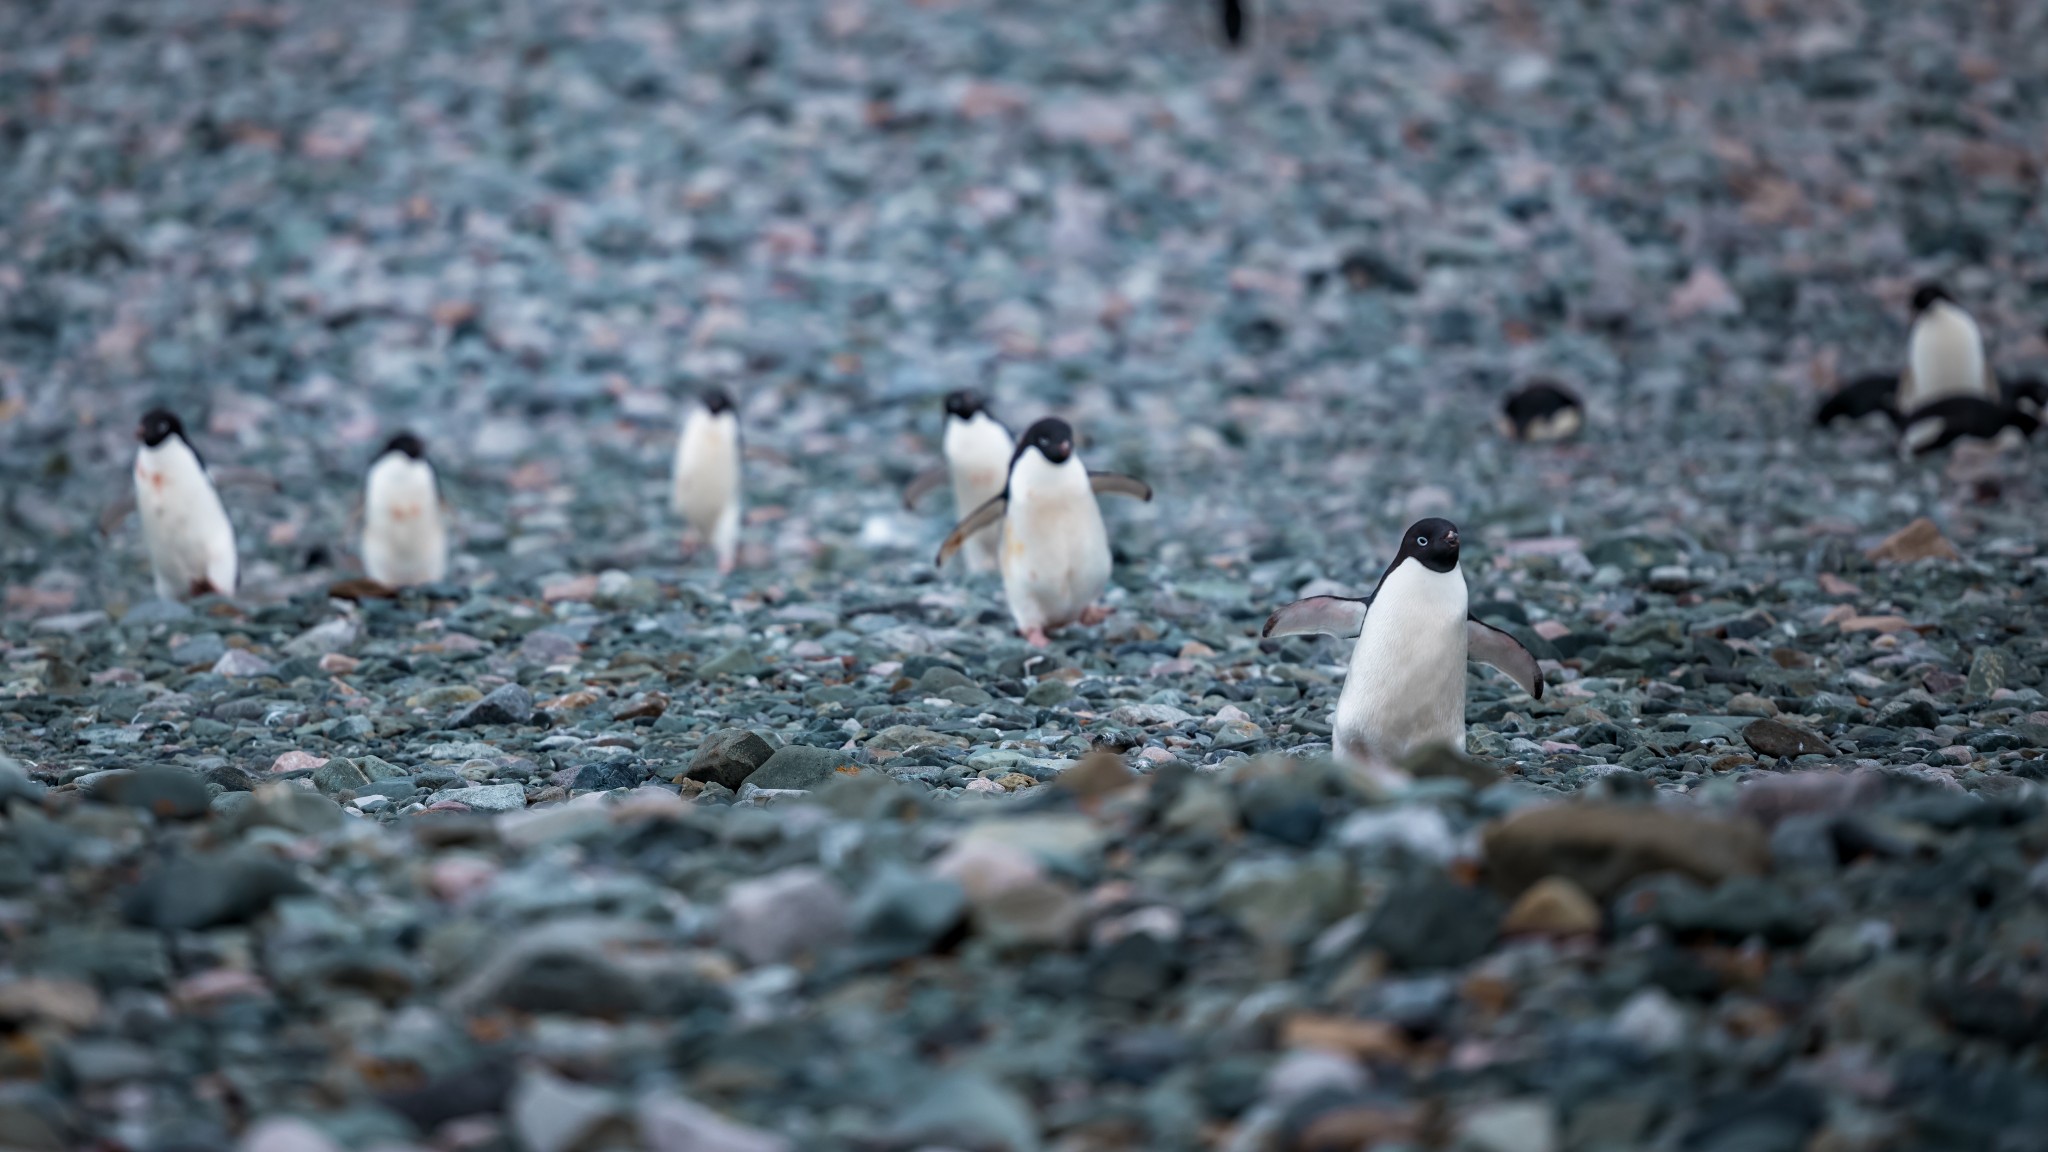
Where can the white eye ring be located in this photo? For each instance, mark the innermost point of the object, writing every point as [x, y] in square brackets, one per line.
[1422, 541]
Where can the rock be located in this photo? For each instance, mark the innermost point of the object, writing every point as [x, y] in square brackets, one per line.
[728, 756]
[339, 775]
[938, 678]
[1909, 714]
[970, 1112]
[1920, 540]
[1990, 670]
[205, 648]
[1442, 762]
[902, 914]
[1047, 693]
[1282, 903]
[606, 775]
[1772, 738]
[1553, 906]
[170, 793]
[333, 636]
[1284, 808]
[209, 891]
[240, 663]
[1432, 922]
[1027, 914]
[282, 806]
[1750, 704]
[798, 767]
[507, 704]
[1509, 1126]
[673, 1123]
[1652, 1021]
[1885, 1005]
[565, 966]
[783, 916]
[487, 797]
[446, 696]
[1420, 830]
[1098, 774]
[736, 662]
[285, 1134]
[1148, 715]
[550, 1114]
[1602, 847]
[15, 784]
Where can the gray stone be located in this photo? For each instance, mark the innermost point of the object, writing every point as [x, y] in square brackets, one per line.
[172, 793]
[1433, 922]
[795, 766]
[550, 1114]
[728, 756]
[672, 1123]
[967, 1111]
[488, 797]
[506, 704]
[736, 662]
[1990, 670]
[1047, 693]
[784, 915]
[238, 662]
[204, 648]
[333, 636]
[209, 891]
[339, 775]
[1774, 738]
[901, 913]
[606, 775]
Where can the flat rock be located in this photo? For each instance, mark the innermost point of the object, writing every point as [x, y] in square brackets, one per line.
[1774, 738]
[795, 766]
[506, 704]
[728, 756]
[1602, 847]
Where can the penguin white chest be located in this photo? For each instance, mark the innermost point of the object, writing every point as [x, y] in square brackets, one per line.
[706, 490]
[977, 459]
[1055, 550]
[1406, 684]
[191, 543]
[1946, 355]
[404, 542]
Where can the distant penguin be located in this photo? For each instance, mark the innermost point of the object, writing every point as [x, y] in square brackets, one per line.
[1944, 358]
[1055, 551]
[1934, 426]
[1541, 411]
[707, 474]
[191, 543]
[1233, 19]
[978, 449]
[404, 542]
[1406, 686]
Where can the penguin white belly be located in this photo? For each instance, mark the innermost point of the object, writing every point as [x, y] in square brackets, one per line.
[404, 542]
[706, 491]
[1055, 550]
[191, 543]
[978, 457]
[1946, 355]
[1406, 684]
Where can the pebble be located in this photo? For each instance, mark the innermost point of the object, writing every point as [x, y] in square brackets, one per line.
[783, 916]
[487, 797]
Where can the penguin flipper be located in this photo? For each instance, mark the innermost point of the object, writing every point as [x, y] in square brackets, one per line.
[1860, 397]
[980, 518]
[1490, 645]
[926, 480]
[1120, 484]
[1319, 615]
[116, 512]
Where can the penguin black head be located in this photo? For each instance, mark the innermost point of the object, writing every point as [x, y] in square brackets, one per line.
[158, 424]
[1231, 13]
[1926, 294]
[1433, 543]
[715, 400]
[965, 403]
[407, 443]
[1051, 436]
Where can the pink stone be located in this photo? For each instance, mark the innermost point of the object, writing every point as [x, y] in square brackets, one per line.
[296, 761]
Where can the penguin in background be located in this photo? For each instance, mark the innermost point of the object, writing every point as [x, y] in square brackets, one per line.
[1233, 20]
[1406, 684]
[1935, 426]
[1944, 358]
[978, 448]
[1542, 411]
[706, 487]
[191, 543]
[1055, 556]
[404, 539]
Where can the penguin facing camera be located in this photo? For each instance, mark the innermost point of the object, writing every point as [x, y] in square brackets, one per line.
[1406, 684]
[705, 490]
[1054, 552]
[977, 449]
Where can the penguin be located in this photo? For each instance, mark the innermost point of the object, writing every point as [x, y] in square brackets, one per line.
[707, 474]
[404, 542]
[1944, 358]
[191, 543]
[977, 447]
[1937, 425]
[1055, 552]
[1233, 19]
[1406, 685]
[1541, 411]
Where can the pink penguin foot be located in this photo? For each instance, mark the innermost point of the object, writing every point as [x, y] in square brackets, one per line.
[1095, 614]
[1037, 638]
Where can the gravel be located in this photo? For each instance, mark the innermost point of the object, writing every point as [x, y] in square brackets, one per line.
[587, 848]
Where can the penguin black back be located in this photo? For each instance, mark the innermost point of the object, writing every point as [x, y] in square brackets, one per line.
[1935, 426]
[1858, 398]
[1232, 16]
[1543, 410]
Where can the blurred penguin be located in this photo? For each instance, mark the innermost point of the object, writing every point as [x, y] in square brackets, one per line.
[1944, 359]
[191, 543]
[1542, 411]
[404, 541]
[706, 490]
[977, 448]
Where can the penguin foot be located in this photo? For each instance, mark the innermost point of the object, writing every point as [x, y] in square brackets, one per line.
[1095, 614]
[1037, 638]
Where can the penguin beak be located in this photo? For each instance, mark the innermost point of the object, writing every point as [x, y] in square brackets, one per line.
[1451, 537]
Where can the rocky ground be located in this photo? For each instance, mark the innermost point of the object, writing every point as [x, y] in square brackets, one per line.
[589, 850]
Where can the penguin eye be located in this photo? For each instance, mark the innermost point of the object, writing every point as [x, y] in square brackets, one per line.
[1422, 541]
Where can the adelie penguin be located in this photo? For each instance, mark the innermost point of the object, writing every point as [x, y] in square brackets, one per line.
[191, 543]
[404, 541]
[1055, 551]
[1541, 411]
[706, 491]
[1406, 685]
[1935, 426]
[978, 449]
[1944, 359]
